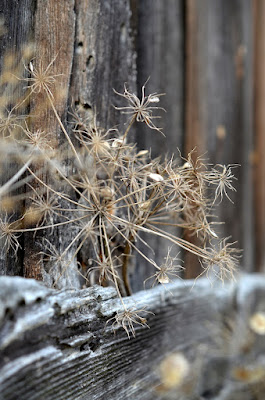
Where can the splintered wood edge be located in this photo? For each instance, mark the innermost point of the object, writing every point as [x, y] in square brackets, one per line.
[61, 344]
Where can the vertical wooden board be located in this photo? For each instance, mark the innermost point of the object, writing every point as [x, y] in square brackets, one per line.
[15, 34]
[54, 30]
[219, 115]
[104, 59]
[259, 133]
[101, 42]
[90, 43]
[160, 56]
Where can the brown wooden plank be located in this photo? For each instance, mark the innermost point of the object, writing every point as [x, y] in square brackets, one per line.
[89, 46]
[54, 31]
[219, 117]
[259, 160]
[56, 344]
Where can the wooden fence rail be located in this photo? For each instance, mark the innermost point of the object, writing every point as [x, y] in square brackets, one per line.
[59, 345]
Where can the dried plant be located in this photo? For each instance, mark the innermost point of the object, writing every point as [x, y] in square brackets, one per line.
[107, 194]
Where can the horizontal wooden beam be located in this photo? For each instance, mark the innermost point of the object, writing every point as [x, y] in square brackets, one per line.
[59, 344]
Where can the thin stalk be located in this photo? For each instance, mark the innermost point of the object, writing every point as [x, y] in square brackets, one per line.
[111, 263]
[63, 128]
[6, 186]
[125, 277]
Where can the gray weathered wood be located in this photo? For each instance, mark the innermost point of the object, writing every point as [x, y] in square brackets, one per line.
[103, 59]
[90, 47]
[219, 98]
[54, 37]
[92, 62]
[57, 345]
[15, 33]
[160, 56]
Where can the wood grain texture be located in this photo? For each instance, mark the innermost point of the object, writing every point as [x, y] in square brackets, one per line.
[103, 59]
[57, 345]
[219, 98]
[89, 47]
[16, 33]
[259, 161]
[54, 34]
[160, 57]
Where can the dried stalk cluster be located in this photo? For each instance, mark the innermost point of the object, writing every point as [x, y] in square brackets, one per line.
[107, 193]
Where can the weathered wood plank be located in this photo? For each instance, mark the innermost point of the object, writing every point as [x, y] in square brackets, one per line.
[219, 95]
[54, 35]
[160, 56]
[57, 345]
[88, 47]
[15, 34]
[103, 59]
[259, 160]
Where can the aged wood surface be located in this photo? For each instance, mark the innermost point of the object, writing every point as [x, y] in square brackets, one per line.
[259, 160]
[57, 345]
[16, 28]
[91, 61]
[54, 30]
[219, 98]
[90, 47]
[160, 57]
[103, 59]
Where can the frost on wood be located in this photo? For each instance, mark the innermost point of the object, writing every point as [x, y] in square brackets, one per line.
[58, 344]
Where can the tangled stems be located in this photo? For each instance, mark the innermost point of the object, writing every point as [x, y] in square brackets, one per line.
[107, 194]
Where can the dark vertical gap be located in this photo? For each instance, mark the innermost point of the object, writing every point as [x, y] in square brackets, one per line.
[184, 94]
[192, 118]
[33, 9]
[184, 57]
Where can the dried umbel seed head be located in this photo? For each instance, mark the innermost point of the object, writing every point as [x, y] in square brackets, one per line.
[128, 319]
[8, 236]
[141, 109]
[41, 79]
[105, 193]
[169, 269]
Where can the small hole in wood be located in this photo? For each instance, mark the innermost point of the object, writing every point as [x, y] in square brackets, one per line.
[87, 106]
[22, 303]
[9, 314]
[90, 63]
[79, 48]
[38, 299]
[85, 109]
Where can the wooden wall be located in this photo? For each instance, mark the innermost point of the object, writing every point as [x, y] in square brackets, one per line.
[206, 55]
